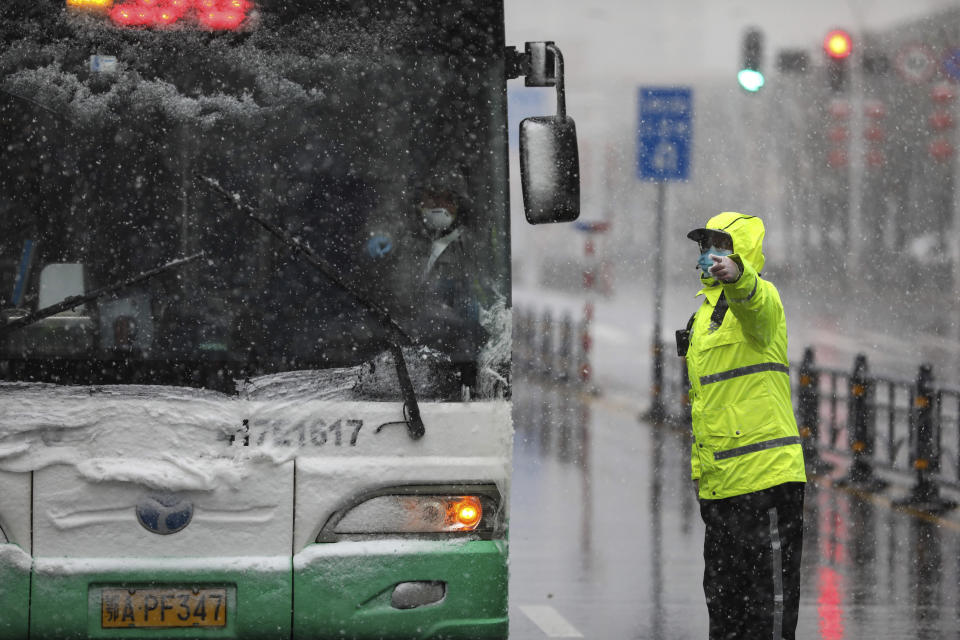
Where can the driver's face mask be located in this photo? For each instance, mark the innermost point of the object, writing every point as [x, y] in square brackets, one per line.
[437, 219]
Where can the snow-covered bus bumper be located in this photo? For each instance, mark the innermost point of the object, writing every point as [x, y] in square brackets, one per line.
[376, 589]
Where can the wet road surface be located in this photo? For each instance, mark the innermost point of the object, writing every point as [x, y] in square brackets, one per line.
[606, 536]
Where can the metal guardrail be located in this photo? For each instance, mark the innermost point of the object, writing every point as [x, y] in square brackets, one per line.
[548, 348]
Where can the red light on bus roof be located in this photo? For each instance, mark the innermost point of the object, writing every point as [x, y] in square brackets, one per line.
[212, 14]
[166, 16]
[178, 7]
[131, 15]
[221, 19]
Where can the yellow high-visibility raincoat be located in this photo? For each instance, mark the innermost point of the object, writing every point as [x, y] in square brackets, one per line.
[745, 433]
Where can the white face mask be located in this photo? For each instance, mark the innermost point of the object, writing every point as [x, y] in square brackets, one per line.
[437, 219]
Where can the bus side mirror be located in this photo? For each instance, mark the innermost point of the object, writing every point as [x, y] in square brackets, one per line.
[549, 169]
[549, 158]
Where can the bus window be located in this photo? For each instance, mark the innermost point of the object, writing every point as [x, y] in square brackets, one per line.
[331, 121]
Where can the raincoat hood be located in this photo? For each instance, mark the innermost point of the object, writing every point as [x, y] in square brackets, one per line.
[747, 232]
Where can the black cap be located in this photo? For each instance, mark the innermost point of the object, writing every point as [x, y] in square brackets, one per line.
[703, 236]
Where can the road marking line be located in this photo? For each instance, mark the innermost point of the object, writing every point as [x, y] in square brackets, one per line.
[550, 622]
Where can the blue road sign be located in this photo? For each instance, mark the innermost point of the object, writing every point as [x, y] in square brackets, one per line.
[664, 133]
[951, 64]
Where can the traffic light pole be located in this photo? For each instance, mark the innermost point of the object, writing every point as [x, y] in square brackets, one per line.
[838, 190]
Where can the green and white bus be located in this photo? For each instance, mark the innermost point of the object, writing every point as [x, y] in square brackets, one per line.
[255, 315]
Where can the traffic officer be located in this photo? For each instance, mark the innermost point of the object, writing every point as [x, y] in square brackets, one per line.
[747, 458]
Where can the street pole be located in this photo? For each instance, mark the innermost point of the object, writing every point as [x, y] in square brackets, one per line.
[590, 269]
[657, 411]
[589, 279]
[664, 139]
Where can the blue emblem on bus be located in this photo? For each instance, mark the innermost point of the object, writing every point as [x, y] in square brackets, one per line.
[164, 514]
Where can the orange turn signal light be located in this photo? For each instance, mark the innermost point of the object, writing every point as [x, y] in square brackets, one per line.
[467, 513]
[409, 513]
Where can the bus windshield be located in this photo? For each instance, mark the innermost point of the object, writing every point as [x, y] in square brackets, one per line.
[373, 136]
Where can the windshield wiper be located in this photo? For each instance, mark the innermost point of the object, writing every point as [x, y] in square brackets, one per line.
[397, 337]
[38, 105]
[75, 301]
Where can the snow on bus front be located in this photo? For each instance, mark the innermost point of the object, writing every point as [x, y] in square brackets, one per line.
[118, 469]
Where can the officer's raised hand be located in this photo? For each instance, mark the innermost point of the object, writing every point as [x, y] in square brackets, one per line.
[724, 269]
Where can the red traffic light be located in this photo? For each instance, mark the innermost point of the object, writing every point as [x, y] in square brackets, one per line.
[838, 44]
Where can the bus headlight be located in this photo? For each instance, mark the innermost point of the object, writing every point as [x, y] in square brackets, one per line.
[416, 511]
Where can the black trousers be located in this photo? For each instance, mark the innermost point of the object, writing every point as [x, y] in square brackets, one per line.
[751, 550]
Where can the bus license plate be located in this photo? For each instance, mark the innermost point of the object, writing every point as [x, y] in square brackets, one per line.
[163, 607]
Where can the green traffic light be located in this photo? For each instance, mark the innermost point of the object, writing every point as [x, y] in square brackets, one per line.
[750, 79]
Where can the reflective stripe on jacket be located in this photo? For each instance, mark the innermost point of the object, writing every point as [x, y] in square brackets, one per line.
[745, 433]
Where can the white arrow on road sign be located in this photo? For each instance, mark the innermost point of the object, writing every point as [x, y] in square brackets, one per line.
[666, 158]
